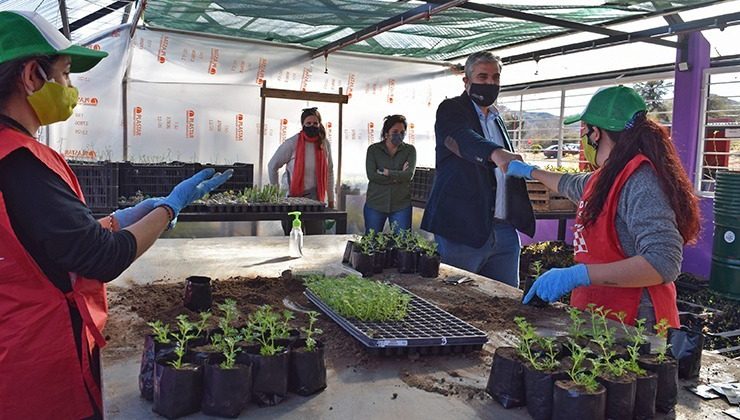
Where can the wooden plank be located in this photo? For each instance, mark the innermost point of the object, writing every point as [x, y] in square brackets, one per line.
[304, 96]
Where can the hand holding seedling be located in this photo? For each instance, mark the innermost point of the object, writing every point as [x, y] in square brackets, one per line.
[557, 282]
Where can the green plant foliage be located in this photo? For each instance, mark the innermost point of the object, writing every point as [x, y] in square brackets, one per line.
[429, 248]
[576, 323]
[366, 300]
[661, 330]
[230, 336]
[578, 373]
[265, 326]
[161, 332]
[310, 331]
[185, 332]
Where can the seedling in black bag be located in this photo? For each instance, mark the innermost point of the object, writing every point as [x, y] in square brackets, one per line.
[161, 331]
[313, 316]
[661, 330]
[185, 332]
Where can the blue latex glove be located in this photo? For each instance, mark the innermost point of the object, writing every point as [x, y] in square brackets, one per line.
[519, 169]
[128, 216]
[194, 188]
[557, 282]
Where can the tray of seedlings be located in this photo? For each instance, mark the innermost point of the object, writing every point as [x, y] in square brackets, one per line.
[388, 319]
[268, 199]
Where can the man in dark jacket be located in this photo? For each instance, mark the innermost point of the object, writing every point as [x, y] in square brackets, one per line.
[474, 210]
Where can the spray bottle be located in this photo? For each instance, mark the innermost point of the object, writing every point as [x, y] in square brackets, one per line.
[296, 236]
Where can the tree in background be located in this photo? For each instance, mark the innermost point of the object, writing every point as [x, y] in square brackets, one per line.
[653, 92]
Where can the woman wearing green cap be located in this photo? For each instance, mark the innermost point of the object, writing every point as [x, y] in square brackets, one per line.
[54, 256]
[635, 213]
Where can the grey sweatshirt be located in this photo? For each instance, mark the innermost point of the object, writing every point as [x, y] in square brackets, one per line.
[645, 224]
[285, 154]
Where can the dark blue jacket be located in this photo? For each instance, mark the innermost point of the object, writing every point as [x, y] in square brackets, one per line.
[462, 202]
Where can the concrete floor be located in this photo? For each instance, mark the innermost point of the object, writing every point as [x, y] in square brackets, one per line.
[370, 391]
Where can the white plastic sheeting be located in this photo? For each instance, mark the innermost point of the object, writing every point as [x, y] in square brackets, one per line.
[196, 98]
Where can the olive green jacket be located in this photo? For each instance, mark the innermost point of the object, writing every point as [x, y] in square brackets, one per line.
[392, 192]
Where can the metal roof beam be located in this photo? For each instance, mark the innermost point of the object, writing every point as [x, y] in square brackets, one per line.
[424, 11]
[530, 17]
[65, 19]
[715, 22]
[92, 17]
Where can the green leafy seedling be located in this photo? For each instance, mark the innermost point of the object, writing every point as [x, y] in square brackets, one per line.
[161, 332]
[311, 331]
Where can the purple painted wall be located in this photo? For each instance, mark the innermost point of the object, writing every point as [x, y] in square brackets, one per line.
[685, 133]
[547, 230]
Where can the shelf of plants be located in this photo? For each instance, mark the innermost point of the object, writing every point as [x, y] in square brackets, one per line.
[426, 329]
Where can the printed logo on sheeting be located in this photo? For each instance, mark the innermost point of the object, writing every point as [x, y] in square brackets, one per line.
[370, 132]
[351, 80]
[87, 101]
[213, 64]
[305, 79]
[189, 124]
[239, 130]
[137, 116]
[391, 90]
[283, 130]
[412, 133]
[261, 70]
[81, 154]
[329, 130]
[164, 41]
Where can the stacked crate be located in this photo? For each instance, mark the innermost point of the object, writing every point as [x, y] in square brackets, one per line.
[421, 184]
[99, 183]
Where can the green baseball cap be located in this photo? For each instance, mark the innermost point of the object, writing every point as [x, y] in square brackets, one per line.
[28, 34]
[610, 108]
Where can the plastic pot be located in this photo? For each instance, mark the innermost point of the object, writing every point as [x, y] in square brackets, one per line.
[177, 392]
[198, 293]
[379, 261]
[667, 392]
[538, 386]
[536, 301]
[686, 347]
[363, 263]
[307, 369]
[646, 391]
[226, 392]
[407, 261]
[348, 252]
[270, 378]
[571, 401]
[391, 257]
[506, 381]
[620, 396]
[152, 351]
[428, 266]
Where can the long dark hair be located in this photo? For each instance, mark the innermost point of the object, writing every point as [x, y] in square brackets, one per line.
[10, 72]
[652, 140]
[389, 121]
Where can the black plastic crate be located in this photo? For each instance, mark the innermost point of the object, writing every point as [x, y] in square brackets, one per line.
[421, 185]
[242, 178]
[153, 180]
[426, 329]
[99, 182]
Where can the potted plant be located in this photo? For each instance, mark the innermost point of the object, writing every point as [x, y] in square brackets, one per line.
[634, 335]
[536, 270]
[667, 369]
[540, 371]
[227, 384]
[407, 251]
[380, 246]
[178, 386]
[576, 332]
[429, 259]
[620, 385]
[270, 363]
[307, 365]
[363, 258]
[581, 396]
[506, 381]
[646, 385]
[157, 344]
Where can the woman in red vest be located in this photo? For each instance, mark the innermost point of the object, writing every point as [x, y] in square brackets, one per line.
[635, 213]
[54, 256]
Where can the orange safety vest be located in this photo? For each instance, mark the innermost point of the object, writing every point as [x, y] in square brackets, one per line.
[599, 244]
[40, 373]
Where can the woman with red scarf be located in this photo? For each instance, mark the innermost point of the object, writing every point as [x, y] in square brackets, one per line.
[309, 168]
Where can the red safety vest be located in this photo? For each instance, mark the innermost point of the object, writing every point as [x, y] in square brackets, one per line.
[40, 373]
[599, 244]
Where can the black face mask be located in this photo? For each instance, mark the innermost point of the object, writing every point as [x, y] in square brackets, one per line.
[311, 130]
[483, 94]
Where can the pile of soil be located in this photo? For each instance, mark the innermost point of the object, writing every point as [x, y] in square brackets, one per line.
[132, 307]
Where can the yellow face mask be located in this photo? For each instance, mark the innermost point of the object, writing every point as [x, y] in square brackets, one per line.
[53, 102]
[589, 149]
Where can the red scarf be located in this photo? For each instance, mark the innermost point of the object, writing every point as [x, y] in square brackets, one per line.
[322, 167]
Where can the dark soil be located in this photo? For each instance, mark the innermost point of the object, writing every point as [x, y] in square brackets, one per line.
[722, 314]
[132, 307]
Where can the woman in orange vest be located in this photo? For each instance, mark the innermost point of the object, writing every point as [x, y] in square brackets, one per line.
[635, 213]
[54, 256]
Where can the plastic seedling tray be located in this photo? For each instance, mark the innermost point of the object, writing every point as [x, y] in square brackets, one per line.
[426, 329]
